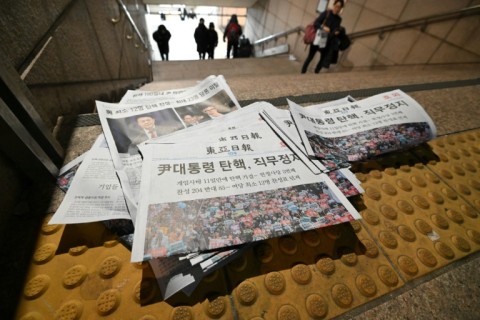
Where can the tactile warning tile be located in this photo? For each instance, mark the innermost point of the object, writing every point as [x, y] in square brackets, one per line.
[418, 220]
[101, 283]
[301, 277]
[459, 163]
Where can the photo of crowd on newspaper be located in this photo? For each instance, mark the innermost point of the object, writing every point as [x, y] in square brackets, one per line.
[369, 144]
[203, 224]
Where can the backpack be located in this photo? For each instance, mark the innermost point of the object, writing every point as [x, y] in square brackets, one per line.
[309, 34]
[233, 32]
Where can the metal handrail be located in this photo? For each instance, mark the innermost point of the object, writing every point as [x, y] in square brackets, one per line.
[423, 22]
[130, 19]
[274, 37]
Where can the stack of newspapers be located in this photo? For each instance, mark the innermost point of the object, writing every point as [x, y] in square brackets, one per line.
[201, 177]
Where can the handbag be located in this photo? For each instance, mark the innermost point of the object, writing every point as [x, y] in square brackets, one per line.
[321, 39]
[321, 36]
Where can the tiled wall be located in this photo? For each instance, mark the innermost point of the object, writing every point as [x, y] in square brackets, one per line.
[453, 41]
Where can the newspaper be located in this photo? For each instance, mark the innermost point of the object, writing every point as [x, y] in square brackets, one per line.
[227, 191]
[127, 125]
[361, 130]
[282, 123]
[95, 193]
[67, 173]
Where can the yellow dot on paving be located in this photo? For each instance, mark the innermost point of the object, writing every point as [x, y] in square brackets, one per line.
[468, 211]
[326, 266]
[388, 212]
[408, 265]
[373, 193]
[74, 276]
[406, 233]
[45, 253]
[460, 243]
[264, 252]
[454, 215]
[317, 306]
[110, 267]
[421, 202]
[366, 285]
[405, 207]
[71, 310]
[418, 181]
[387, 275]
[404, 185]
[246, 292]
[275, 282]
[439, 221]
[181, 313]
[342, 295]
[301, 273]
[349, 259]
[311, 238]
[288, 245]
[444, 250]
[423, 226]
[426, 257]
[76, 251]
[288, 312]
[388, 239]
[370, 216]
[474, 235]
[108, 301]
[389, 189]
[215, 308]
[36, 286]
[435, 197]
[431, 177]
[372, 250]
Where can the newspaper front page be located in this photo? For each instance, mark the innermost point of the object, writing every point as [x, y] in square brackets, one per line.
[127, 125]
[235, 187]
[364, 129]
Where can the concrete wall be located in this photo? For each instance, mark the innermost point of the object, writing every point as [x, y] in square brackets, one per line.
[454, 41]
[75, 54]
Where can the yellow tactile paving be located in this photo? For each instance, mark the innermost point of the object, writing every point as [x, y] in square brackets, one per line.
[459, 164]
[420, 212]
[417, 219]
[296, 278]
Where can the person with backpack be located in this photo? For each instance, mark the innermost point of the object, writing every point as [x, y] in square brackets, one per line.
[232, 33]
[201, 38]
[328, 21]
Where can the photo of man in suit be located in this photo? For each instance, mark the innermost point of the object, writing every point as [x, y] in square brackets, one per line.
[152, 125]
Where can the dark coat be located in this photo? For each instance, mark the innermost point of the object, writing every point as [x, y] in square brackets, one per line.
[162, 36]
[201, 38]
[331, 49]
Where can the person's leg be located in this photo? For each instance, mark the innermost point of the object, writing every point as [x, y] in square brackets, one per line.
[229, 48]
[311, 54]
[319, 66]
[235, 49]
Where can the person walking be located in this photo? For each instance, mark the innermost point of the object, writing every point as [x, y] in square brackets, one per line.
[212, 40]
[201, 38]
[232, 33]
[161, 37]
[328, 21]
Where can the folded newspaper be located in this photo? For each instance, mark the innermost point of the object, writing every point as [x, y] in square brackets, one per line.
[361, 130]
[237, 184]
